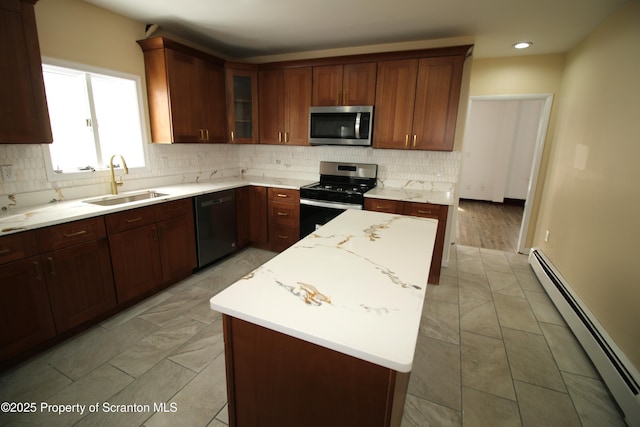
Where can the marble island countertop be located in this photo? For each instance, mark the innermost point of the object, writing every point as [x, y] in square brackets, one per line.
[356, 285]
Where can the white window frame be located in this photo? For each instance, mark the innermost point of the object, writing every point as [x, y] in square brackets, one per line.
[99, 171]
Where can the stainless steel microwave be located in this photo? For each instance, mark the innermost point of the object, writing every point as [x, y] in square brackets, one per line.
[342, 125]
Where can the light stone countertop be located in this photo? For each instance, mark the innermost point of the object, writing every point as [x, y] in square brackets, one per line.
[16, 220]
[436, 197]
[356, 285]
[33, 217]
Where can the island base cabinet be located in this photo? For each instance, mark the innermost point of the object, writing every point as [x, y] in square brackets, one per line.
[276, 379]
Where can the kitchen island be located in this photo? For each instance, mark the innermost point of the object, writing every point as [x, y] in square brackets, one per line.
[325, 333]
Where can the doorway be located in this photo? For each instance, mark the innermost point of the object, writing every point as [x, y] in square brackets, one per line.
[502, 151]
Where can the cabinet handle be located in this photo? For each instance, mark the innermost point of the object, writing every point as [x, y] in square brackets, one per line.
[36, 266]
[337, 98]
[286, 137]
[4, 251]
[406, 140]
[280, 137]
[424, 212]
[344, 98]
[52, 266]
[283, 214]
[76, 234]
[136, 219]
[206, 133]
[282, 195]
[200, 135]
[414, 139]
[233, 138]
[381, 207]
[283, 236]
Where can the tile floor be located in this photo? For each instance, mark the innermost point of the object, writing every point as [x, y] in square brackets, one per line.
[492, 351]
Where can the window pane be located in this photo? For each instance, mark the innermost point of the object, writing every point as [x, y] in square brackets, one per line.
[118, 119]
[73, 143]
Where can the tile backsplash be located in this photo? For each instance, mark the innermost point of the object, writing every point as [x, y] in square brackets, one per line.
[178, 163]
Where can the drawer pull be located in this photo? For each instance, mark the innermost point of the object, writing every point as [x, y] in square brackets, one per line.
[76, 234]
[283, 214]
[36, 266]
[424, 212]
[284, 196]
[283, 236]
[136, 219]
[4, 251]
[381, 207]
[52, 266]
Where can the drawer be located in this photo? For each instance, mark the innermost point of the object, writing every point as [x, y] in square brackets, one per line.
[130, 219]
[425, 210]
[383, 205]
[284, 195]
[281, 237]
[285, 214]
[70, 233]
[173, 209]
[14, 247]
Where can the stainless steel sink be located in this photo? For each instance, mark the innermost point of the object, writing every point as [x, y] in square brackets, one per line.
[125, 198]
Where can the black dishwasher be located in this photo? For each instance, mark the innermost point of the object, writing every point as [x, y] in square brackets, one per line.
[216, 234]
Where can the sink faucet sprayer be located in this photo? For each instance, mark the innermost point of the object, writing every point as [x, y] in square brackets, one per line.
[114, 184]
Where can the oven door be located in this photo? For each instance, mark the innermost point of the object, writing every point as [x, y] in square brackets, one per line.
[316, 213]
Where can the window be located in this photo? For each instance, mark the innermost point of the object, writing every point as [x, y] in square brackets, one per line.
[94, 115]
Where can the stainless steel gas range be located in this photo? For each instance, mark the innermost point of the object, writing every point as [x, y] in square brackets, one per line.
[341, 187]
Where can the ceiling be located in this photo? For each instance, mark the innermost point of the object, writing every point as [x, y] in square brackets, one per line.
[251, 28]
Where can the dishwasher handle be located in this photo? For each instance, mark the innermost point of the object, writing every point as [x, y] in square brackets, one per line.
[213, 202]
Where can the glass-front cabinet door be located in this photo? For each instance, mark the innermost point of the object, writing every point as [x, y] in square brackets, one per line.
[242, 99]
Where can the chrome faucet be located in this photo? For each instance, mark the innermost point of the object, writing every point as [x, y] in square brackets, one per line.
[114, 184]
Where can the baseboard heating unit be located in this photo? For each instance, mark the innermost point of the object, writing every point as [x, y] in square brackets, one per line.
[616, 370]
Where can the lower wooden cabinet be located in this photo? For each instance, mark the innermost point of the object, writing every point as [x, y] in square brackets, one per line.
[425, 210]
[77, 268]
[284, 218]
[63, 281]
[25, 314]
[251, 204]
[80, 283]
[147, 253]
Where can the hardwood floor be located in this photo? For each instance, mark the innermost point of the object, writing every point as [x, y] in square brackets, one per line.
[489, 225]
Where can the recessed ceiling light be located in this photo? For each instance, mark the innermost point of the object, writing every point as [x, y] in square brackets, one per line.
[522, 45]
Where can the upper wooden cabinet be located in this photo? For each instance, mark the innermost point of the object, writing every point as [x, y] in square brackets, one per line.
[417, 103]
[284, 100]
[242, 105]
[349, 84]
[186, 91]
[25, 117]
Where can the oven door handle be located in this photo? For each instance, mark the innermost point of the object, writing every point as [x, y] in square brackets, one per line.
[330, 205]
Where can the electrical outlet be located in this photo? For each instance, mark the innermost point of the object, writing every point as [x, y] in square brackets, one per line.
[8, 174]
